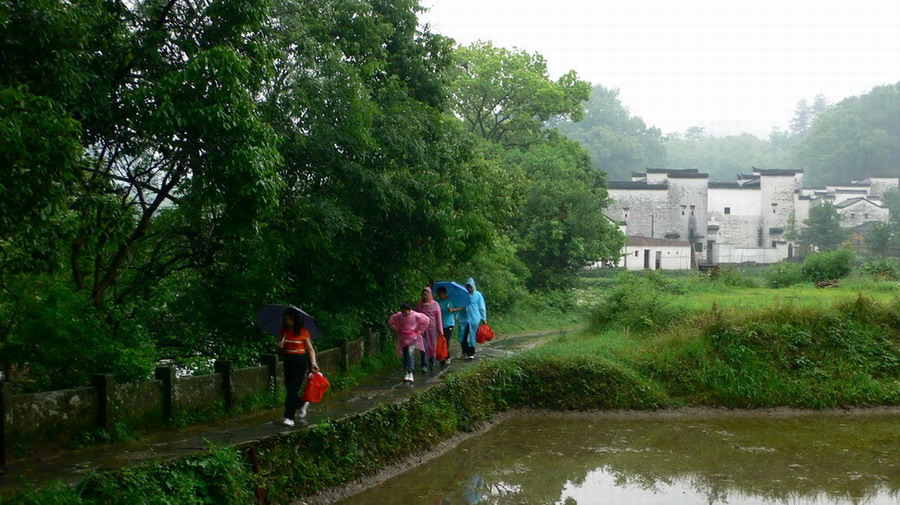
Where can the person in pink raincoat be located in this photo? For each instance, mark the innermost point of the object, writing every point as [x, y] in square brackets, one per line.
[409, 325]
[428, 306]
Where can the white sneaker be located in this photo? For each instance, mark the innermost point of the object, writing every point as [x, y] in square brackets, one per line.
[302, 412]
[288, 422]
[447, 361]
[407, 377]
[472, 357]
[412, 377]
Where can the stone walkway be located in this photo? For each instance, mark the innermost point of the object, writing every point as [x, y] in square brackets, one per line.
[387, 387]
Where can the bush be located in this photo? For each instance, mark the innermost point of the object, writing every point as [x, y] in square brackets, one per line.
[828, 265]
[886, 269]
[733, 278]
[640, 303]
[784, 275]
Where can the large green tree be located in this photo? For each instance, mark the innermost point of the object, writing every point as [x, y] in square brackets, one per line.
[162, 95]
[823, 228]
[506, 96]
[561, 227]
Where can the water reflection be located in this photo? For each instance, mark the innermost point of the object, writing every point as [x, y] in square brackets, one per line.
[812, 459]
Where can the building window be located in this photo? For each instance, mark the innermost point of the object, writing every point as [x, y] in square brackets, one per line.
[635, 254]
[773, 210]
[698, 246]
[728, 210]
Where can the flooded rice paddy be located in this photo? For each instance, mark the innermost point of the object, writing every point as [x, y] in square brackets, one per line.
[735, 460]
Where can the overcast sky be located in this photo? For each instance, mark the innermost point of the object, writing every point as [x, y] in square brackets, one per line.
[728, 65]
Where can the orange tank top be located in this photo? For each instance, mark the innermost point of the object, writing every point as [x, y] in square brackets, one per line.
[295, 343]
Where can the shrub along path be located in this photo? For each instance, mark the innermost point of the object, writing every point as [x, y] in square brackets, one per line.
[385, 387]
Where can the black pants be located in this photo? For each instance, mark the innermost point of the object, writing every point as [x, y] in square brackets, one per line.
[468, 350]
[448, 334]
[294, 373]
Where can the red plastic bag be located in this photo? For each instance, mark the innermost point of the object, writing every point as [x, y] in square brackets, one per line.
[316, 385]
[484, 334]
[442, 352]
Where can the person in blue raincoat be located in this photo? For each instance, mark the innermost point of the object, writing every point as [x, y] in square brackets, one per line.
[470, 317]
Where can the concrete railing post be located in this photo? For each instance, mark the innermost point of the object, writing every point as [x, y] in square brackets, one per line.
[226, 369]
[103, 383]
[5, 408]
[166, 375]
[271, 362]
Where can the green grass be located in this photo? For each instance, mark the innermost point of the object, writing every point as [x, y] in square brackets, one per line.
[708, 343]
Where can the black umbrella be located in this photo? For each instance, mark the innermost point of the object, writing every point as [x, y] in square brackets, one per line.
[271, 318]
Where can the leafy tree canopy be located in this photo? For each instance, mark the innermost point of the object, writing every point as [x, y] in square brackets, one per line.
[823, 228]
[505, 96]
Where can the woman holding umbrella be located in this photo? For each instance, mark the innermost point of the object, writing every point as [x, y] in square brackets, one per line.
[295, 344]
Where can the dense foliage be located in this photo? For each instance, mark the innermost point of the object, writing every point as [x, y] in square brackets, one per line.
[170, 167]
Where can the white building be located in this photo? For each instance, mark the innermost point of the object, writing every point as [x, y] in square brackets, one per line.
[644, 253]
[732, 222]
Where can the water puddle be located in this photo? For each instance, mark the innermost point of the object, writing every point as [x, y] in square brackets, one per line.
[569, 460]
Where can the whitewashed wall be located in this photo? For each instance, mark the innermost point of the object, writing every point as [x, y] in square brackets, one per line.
[673, 257]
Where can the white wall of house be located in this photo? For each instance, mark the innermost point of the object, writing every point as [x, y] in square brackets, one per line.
[688, 199]
[777, 204]
[842, 195]
[862, 212]
[648, 210]
[671, 257]
[727, 253]
[882, 184]
[740, 227]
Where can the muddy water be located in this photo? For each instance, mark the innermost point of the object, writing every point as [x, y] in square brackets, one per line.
[568, 460]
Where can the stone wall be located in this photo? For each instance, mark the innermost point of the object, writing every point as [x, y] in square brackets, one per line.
[198, 393]
[138, 404]
[54, 417]
[251, 381]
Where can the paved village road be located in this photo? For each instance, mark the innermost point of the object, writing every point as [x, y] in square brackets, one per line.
[386, 387]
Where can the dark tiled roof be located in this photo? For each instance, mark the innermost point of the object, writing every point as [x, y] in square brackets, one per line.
[851, 201]
[733, 185]
[635, 185]
[647, 241]
[778, 172]
[657, 170]
[687, 175]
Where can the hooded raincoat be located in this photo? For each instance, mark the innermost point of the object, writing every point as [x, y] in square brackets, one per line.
[433, 310]
[475, 313]
[409, 329]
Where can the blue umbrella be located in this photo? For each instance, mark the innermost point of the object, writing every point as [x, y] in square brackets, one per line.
[271, 318]
[457, 294]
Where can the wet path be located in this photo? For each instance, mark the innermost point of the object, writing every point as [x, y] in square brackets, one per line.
[386, 387]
